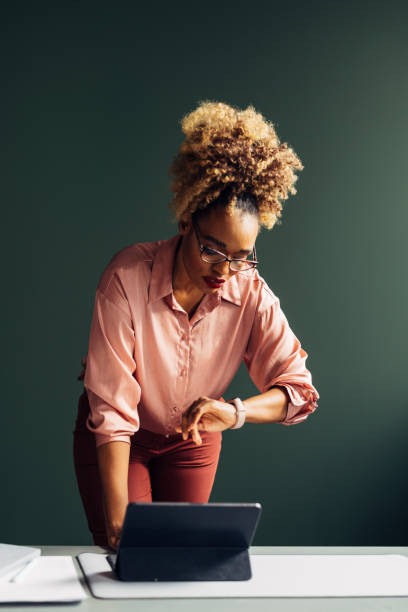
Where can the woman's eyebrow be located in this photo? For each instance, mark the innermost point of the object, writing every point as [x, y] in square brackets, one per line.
[223, 245]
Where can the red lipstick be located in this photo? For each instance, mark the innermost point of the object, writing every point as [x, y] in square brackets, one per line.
[213, 282]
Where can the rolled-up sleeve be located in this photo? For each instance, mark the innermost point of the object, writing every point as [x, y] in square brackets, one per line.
[112, 388]
[275, 358]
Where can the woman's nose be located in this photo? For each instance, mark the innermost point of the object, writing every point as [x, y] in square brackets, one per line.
[221, 269]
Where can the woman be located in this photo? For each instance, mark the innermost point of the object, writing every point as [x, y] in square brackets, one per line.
[173, 320]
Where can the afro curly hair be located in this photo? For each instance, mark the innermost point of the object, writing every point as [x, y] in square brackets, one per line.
[233, 151]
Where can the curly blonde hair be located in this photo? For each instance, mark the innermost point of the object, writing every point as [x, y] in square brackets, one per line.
[235, 150]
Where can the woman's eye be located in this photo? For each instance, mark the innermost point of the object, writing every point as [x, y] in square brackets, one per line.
[209, 251]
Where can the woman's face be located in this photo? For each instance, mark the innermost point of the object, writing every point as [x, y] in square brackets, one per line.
[233, 235]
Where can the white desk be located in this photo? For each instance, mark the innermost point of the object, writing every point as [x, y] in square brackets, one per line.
[355, 604]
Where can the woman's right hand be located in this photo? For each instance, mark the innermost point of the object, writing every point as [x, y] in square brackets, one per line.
[114, 525]
[113, 533]
[113, 461]
[114, 518]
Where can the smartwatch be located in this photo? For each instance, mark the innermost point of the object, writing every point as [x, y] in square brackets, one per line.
[240, 412]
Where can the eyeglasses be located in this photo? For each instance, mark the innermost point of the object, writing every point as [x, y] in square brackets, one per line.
[212, 256]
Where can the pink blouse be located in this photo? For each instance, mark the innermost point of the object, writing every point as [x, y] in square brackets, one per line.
[147, 362]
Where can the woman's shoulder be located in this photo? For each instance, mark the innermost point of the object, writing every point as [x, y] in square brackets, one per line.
[131, 255]
[130, 261]
[256, 286]
[256, 295]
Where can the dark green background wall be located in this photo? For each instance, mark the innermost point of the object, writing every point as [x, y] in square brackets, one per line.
[92, 97]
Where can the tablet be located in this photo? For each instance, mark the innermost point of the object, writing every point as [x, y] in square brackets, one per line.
[170, 541]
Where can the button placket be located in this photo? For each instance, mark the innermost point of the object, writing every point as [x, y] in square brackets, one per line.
[184, 363]
[183, 357]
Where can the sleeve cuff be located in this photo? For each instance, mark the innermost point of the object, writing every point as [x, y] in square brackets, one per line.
[103, 439]
[298, 408]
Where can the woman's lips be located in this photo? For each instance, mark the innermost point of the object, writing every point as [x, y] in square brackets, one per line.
[213, 282]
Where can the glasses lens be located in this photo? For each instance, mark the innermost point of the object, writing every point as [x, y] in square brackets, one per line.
[237, 265]
[212, 257]
[240, 265]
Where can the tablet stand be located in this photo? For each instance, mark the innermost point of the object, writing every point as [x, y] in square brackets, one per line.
[182, 563]
[186, 541]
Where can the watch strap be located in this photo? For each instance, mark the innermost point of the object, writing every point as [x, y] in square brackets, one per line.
[240, 412]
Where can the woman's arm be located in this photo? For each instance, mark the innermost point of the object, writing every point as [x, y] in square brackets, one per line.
[110, 374]
[113, 462]
[207, 414]
[268, 407]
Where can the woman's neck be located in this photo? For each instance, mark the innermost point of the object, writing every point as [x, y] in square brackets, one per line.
[182, 285]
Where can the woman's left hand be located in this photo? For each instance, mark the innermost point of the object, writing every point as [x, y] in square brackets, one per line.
[206, 414]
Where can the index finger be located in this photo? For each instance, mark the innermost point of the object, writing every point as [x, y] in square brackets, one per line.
[186, 419]
[196, 436]
[197, 413]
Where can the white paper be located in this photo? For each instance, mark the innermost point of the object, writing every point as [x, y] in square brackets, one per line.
[13, 557]
[273, 576]
[51, 578]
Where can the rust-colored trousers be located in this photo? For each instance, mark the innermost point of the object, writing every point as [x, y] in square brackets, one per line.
[160, 469]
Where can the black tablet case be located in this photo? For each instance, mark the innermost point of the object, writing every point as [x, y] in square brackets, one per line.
[185, 541]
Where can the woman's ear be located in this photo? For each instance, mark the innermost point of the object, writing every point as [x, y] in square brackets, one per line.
[184, 225]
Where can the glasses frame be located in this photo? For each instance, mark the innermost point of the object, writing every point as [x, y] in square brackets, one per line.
[253, 261]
